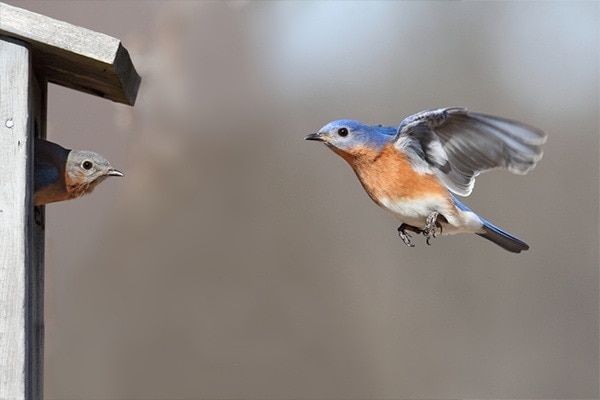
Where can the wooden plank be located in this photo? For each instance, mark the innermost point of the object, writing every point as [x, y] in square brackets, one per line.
[34, 300]
[21, 319]
[73, 56]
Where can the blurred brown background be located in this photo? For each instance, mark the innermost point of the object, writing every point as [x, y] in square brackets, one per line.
[235, 260]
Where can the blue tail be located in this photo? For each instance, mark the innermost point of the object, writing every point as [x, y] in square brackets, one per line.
[502, 239]
[497, 235]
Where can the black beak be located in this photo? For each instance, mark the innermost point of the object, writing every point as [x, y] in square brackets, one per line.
[114, 172]
[315, 136]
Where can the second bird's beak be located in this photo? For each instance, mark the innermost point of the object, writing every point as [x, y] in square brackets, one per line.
[315, 136]
[114, 172]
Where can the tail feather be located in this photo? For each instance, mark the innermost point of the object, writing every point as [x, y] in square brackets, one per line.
[502, 239]
[495, 234]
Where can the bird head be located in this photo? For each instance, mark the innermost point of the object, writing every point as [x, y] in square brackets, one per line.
[85, 170]
[351, 138]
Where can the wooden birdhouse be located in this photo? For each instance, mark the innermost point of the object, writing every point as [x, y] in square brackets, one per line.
[35, 50]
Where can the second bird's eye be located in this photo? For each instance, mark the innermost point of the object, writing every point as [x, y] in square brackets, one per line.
[343, 132]
[87, 165]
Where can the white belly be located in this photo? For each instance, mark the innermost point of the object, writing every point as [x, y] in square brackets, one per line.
[414, 212]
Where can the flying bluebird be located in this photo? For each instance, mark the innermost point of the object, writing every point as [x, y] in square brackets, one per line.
[413, 169]
[62, 174]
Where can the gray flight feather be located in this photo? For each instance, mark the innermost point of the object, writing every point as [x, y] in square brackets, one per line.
[458, 145]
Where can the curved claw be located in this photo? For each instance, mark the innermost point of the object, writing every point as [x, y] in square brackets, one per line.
[430, 224]
[405, 236]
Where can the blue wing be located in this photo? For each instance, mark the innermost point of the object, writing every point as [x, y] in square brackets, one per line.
[49, 161]
[44, 175]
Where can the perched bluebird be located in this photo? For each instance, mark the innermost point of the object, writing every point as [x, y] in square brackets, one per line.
[413, 169]
[62, 174]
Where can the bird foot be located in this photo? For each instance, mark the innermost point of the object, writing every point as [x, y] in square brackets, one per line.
[37, 216]
[431, 223]
[405, 236]
[429, 230]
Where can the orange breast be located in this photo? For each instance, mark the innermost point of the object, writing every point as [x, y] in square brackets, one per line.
[389, 174]
[77, 188]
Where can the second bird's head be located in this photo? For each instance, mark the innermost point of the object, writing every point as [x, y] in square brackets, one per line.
[85, 170]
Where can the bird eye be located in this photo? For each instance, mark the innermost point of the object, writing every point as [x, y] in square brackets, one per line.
[87, 164]
[343, 132]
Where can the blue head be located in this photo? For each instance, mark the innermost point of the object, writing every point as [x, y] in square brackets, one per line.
[347, 136]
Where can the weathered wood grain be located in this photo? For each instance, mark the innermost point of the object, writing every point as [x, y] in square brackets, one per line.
[73, 56]
[16, 230]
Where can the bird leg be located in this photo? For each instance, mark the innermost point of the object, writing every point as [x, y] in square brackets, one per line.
[430, 224]
[405, 236]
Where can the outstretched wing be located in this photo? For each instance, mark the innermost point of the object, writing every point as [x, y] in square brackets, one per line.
[458, 145]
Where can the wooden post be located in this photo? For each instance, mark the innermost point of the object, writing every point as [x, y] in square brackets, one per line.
[19, 367]
[34, 50]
